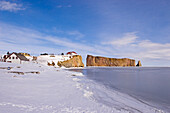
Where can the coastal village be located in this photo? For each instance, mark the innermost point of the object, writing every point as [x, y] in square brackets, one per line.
[45, 58]
[70, 59]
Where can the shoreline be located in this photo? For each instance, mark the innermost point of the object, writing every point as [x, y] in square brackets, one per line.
[137, 98]
[90, 67]
[56, 90]
[145, 102]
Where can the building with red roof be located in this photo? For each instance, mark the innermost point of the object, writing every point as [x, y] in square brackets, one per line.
[71, 53]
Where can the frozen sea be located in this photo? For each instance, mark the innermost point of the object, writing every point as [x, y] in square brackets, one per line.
[150, 85]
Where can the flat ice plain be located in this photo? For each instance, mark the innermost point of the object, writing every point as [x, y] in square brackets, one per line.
[55, 90]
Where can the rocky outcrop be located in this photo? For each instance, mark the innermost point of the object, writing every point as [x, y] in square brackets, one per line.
[75, 61]
[104, 61]
[51, 64]
[34, 58]
[139, 63]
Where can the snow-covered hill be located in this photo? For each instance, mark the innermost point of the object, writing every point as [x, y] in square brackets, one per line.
[45, 59]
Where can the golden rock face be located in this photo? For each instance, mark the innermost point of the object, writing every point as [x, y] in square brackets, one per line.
[139, 63]
[75, 61]
[104, 61]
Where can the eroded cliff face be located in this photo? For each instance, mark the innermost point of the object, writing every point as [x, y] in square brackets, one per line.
[75, 61]
[104, 61]
[139, 63]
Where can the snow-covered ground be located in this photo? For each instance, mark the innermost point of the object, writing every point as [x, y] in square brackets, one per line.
[45, 59]
[55, 90]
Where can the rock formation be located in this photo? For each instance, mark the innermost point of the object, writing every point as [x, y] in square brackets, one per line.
[103, 61]
[34, 58]
[75, 61]
[52, 64]
[139, 63]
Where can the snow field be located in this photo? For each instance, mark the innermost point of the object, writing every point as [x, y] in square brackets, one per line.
[55, 90]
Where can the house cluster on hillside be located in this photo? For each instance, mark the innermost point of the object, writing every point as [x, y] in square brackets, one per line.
[45, 58]
[51, 59]
[14, 58]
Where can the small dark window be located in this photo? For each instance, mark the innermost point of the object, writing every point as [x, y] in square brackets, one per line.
[13, 57]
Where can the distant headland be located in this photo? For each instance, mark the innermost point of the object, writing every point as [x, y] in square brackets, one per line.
[104, 61]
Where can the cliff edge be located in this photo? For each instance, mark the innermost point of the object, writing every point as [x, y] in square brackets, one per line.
[104, 61]
[139, 64]
[75, 61]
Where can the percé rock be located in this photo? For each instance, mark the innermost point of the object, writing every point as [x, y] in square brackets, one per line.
[139, 63]
[75, 61]
[104, 61]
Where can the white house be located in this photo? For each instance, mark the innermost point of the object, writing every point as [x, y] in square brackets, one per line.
[16, 58]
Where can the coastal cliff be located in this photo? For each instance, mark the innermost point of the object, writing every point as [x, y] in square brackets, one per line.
[104, 61]
[75, 61]
[139, 64]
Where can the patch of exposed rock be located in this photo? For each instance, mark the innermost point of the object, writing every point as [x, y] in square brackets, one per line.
[104, 61]
[75, 61]
[51, 64]
[139, 63]
[22, 73]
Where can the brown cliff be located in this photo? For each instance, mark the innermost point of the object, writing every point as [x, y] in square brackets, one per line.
[103, 61]
[52, 64]
[75, 61]
[139, 63]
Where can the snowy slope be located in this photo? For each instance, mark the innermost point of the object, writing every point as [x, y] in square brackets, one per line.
[44, 59]
[55, 90]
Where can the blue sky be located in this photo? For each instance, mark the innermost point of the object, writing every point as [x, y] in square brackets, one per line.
[136, 29]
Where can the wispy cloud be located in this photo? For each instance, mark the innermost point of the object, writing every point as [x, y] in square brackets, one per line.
[128, 38]
[77, 34]
[13, 38]
[130, 45]
[64, 6]
[9, 6]
[17, 38]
